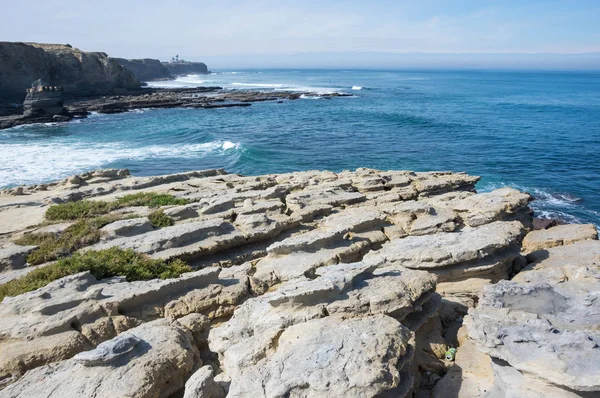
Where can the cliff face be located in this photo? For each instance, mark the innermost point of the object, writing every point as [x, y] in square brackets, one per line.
[186, 68]
[80, 73]
[151, 69]
[145, 69]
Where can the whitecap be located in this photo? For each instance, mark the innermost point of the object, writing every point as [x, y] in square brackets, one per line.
[260, 85]
[229, 145]
[311, 97]
[32, 164]
[356, 88]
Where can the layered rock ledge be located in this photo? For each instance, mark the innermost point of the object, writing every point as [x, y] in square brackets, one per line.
[307, 284]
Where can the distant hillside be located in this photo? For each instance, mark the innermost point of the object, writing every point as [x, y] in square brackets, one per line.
[80, 73]
[151, 69]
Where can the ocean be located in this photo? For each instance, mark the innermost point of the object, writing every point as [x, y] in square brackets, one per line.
[538, 132]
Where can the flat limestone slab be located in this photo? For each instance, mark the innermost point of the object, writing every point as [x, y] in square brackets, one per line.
[558, 236]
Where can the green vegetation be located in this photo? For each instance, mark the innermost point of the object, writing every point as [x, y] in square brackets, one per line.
[93, 208]
[77, 210]
[53, 246]
[150, 199]
[102, 264]
[159, 219]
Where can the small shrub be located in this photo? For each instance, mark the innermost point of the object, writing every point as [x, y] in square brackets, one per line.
[159, 219]
[102, 264]
[77, 210]
[94, 208]
[150, 199]
[52, 246]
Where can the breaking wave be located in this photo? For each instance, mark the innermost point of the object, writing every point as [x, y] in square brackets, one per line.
[549, 204]
[25, 164]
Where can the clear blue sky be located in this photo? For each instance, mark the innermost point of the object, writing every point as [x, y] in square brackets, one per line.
[238, 32]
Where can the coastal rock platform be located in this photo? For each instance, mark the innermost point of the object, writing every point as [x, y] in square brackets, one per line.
[199, 97]
[305, 284]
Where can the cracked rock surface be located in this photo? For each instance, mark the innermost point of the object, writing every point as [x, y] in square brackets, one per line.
[305, 284]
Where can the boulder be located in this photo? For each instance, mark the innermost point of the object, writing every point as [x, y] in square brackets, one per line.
[267, 331]
[203, 385]
[544, 323]
[155, 358]
[327, 357]
[63, 318]
[14, 256]
[558, 236]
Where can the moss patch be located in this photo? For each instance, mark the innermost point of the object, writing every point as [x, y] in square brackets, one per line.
[94, 208]
[102, 264]
[160, 220]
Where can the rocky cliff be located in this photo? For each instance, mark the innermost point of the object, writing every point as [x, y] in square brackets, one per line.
[186, 68]
[306, 284]
[80, 73]
[145, 69]
[151, 69]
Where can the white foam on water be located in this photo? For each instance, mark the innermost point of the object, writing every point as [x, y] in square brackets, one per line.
[183, 81]
[556, 199]
[310, 97]
[24, 164]
[260, 85]
[191, 81]
[546, 203]
[356, 88]
[230, 145]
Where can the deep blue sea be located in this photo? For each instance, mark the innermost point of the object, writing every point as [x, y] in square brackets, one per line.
[539, 132]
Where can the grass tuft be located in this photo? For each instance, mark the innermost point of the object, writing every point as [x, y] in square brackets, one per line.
[78, 210]
[160, 220]
[54, 246]
[94, 208]
[150, 199]
[102, 264]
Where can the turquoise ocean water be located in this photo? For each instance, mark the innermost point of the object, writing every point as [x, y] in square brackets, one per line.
[538, 132]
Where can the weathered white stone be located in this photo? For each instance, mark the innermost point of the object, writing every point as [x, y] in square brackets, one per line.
[108, 351]
[545, 322]
[444, 249]
[55, 229]
[184, 212]
[504, 204]
[190, 238]
[37, 327]
[341, 237]
[558, 236]
[14, 256]
[203, 385]
[156, 366]
[125, 228]
[328, 357]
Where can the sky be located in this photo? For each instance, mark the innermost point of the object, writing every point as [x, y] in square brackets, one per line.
[325, 33]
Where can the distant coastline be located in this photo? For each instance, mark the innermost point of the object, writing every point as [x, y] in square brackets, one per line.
[118, 85]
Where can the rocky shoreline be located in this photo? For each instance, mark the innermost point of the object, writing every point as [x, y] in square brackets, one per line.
[200, 97]
[314, 284]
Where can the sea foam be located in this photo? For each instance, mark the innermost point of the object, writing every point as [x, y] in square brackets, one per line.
[30, 164]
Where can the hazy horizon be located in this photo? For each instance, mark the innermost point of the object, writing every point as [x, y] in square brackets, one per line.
[535, 34]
